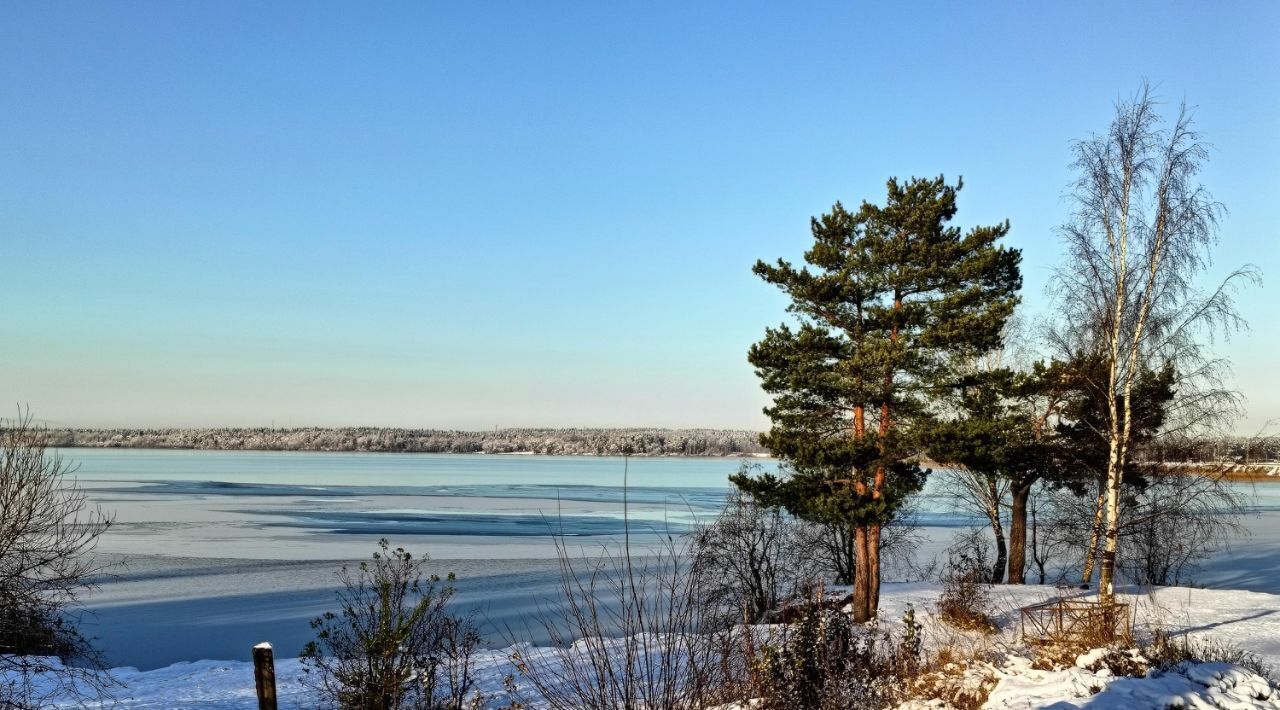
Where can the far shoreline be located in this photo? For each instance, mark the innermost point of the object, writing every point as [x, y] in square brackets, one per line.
[633, 441]
[1262, 472]
[97, 447]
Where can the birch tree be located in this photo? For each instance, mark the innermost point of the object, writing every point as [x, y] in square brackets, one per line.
[1137, 243]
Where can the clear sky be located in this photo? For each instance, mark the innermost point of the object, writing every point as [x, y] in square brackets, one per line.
[498, 214]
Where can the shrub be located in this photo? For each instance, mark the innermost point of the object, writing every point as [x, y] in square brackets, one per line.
[1177, 522]
[825, 661]
[393, 644]
[747, 558]
[953, 684]
[631, 632]
[47, 538]
[1165, 651]
[965, 602]
[1118, 661]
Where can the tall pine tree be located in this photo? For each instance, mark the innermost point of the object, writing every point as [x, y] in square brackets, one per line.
[891, 296]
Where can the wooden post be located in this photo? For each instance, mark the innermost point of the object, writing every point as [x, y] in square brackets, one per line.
[264, 675]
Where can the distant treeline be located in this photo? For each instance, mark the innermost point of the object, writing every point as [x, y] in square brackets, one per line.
[1230, 449]
[560, 442]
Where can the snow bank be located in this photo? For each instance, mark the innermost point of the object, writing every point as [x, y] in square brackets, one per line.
[1247, 620]
[1188, 685]
[198, 684]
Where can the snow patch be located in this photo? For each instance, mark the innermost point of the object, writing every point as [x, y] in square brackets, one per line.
[1187, 685]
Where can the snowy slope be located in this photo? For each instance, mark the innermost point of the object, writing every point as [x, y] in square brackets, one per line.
[1248, 620]
[1198, 685]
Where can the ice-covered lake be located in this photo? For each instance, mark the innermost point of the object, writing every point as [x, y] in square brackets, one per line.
[220, 550]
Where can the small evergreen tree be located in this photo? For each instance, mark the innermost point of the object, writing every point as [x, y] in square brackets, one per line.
[891, 296]
[1003, 442]
[394, 644]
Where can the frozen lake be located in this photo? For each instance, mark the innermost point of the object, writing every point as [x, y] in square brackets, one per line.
[297, 506]
[219, 550]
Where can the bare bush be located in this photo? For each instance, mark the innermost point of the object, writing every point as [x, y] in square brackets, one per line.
[1054, 533]
[965, 601]
[828, 550]
[48, 530]
[1176, 522]
[747, 558]
[1172, 523]
[394, 643]
[631, 632]
[973, 491]
[825, 551]
[752, 558]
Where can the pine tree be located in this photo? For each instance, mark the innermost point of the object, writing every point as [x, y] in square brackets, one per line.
[1003, 441]
[892, 295]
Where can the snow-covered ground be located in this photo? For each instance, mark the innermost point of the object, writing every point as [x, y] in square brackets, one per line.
[221, 550]
[1247, 620]
[1189, 685]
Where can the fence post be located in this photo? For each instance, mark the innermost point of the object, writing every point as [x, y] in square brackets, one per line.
[264, 675]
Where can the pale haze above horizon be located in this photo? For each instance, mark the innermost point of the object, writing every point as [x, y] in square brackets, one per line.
[475, 215]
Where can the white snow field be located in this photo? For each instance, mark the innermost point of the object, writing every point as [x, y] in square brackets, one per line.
[1246, 620]
[1192, 685]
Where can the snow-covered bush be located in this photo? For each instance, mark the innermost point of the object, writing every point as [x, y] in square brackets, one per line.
[827, 662]
[1114, 660]
[1166, 650]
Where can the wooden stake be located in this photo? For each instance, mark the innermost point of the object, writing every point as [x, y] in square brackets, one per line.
[264, 675]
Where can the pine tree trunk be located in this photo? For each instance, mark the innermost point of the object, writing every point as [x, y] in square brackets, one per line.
[1018, 533]
[861, 576]
[873, 571]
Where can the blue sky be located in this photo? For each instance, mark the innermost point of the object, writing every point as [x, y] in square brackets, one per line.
[499, 214]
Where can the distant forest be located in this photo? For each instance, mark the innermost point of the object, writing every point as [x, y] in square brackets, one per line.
[560, 442]
[1227, 449]
[556, 442]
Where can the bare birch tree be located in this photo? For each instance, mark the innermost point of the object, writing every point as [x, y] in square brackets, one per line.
[1137, 242]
